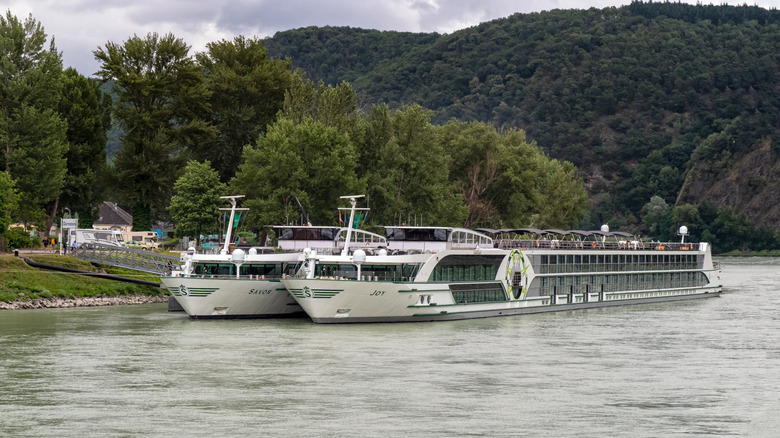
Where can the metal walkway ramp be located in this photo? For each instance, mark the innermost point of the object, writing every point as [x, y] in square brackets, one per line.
[138, 260]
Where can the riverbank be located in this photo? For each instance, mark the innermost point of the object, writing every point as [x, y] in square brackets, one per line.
[26, 287]
[100, 300]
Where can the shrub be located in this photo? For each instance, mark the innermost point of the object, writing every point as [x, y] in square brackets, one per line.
[17, 238]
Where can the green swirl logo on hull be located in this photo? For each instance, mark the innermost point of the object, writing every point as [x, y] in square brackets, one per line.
[184, 291]
[307, 292]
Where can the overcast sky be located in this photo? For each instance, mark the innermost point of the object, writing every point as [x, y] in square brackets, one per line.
[81, 26]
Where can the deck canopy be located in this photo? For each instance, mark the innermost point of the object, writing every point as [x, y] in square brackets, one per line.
[517, 231]
[583, 234]
[555, 233]
[434, 239]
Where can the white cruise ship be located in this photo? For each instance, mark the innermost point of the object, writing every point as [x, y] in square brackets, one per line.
[439, 273]
[246, 283]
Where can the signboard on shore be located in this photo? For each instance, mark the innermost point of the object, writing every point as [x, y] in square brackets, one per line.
[70, 223]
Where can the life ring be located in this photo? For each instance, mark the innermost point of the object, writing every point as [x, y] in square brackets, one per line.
[593, 245]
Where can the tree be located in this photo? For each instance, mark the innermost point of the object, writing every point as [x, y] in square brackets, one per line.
[562, 198]
[314, 162]
[687, 215]
[247, 91]
[162, 101]
[411, 178]
[32, 134]
[87, 110]
[506, 181]
[476, 150]
[195, 205]
[653, 214]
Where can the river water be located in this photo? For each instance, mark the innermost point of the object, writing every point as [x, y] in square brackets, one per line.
[703, 367]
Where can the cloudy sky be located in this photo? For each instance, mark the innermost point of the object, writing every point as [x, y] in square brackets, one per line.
[81, 26]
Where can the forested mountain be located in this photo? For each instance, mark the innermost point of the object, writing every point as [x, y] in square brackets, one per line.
[651, 99]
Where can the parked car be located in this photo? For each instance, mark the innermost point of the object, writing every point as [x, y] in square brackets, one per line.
[137, 244]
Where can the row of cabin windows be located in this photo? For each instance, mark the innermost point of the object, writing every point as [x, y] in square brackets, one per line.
[403, 272]
[559, 263]
[451, 268]
[229, 269]
[579, 284]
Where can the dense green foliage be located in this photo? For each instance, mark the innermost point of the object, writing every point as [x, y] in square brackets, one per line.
[727, 230]
[412, 171]
[87, 111]
[162, 103]
[668, 111]
[32, 132]
[650, 99]
[247, 90]
[336, 54]
[310, 160]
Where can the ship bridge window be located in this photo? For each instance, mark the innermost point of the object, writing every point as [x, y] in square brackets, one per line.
[215, 269]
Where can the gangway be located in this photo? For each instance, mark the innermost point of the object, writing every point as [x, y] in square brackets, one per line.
[135, 259]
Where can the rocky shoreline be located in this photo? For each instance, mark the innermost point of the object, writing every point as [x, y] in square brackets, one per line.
[98, 300]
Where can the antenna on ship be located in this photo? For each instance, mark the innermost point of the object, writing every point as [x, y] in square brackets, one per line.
[683, 232]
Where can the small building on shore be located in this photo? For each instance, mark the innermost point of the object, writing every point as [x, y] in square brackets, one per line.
[112, 217]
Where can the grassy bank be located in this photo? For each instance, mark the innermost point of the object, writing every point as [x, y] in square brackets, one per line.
[18, 281]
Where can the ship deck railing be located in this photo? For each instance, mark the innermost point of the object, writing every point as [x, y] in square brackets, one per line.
[593, 245]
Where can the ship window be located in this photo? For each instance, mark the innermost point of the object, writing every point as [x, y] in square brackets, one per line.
[467, 268]
[214, 269]
[269, 269]
[417, 234]
[477, 293]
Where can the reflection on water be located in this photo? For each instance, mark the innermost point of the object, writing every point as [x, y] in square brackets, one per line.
[703, 367]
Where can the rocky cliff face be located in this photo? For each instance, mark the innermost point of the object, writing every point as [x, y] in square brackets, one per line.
[749, 183]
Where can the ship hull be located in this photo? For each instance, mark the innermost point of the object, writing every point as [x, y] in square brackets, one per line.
[335, 301]
[231, 298]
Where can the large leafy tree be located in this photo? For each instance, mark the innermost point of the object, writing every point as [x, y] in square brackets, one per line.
[87, 110]
[507, 181]
[195, 204]
[314, 162]
[32, 134]
[247, 90]
[162, 103]
[411, 178]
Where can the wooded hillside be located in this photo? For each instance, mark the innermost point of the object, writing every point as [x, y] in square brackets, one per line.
[649, 99]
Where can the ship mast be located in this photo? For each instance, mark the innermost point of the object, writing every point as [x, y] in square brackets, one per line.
[352, 208]
[233, 210]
